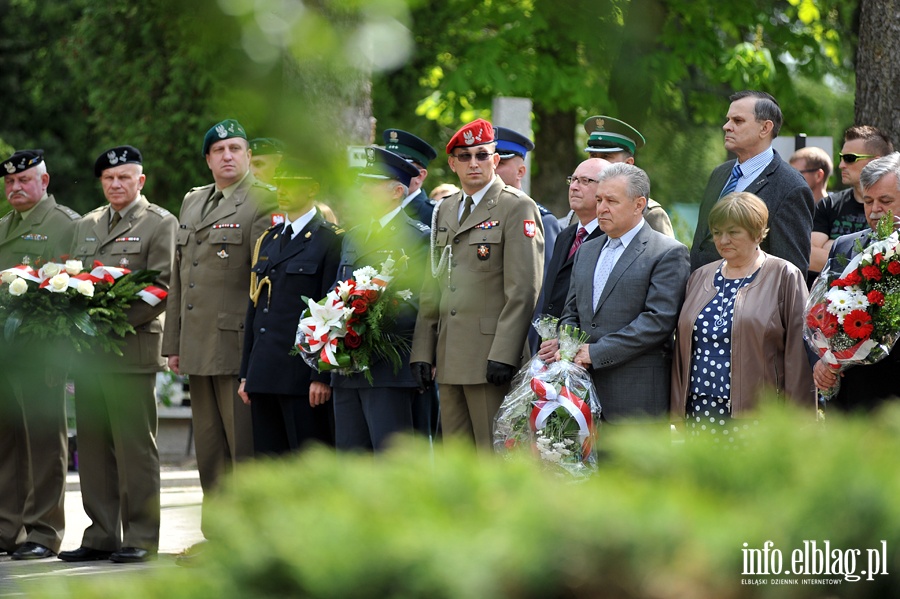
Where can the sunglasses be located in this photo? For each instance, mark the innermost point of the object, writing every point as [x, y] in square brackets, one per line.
[467, 156]
[851, 158]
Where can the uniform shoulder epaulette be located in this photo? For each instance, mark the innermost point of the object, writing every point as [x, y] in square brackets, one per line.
[337, 230]
[422, 227]
[514, 190]
[158, 210]
[68, 212]
[201, 187]
[258, 183]
[543, 210]
[98, 210]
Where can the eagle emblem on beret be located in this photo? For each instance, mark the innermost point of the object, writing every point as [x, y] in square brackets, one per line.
[600, 123]
[220, 131]
[10, 167]
[111, 156]
[468, 138]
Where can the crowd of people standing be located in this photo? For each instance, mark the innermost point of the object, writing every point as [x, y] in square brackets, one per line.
[689, 335]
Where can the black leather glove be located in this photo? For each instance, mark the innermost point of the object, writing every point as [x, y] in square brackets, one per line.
[499, 373]
[421, 372]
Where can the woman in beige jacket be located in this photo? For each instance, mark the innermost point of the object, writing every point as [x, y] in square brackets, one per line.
[741, 326]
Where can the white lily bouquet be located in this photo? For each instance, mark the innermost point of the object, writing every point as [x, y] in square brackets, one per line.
[552, 411]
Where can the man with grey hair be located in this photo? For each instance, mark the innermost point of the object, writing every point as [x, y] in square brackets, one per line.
[864, 388]
[33, 431]
[626, 291]
[753, 121]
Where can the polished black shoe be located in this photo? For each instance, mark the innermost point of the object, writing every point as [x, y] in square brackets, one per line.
[131, 555]
[84, 554]
[31, 550]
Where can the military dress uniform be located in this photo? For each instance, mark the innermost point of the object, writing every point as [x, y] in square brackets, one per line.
[115, 396]
[205, 316]
[277, 382]
[479, 306]
[367, 414]
[33, 431]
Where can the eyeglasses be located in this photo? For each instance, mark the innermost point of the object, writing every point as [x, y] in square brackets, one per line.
[851, 158]
[467, 156]
[583, 181]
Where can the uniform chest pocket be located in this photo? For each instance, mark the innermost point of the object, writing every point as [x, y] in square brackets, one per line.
[485, 249]
[126, 247]
[87, 249]
[226, 236]
[442, 238]
[301, 267]
[182, 236]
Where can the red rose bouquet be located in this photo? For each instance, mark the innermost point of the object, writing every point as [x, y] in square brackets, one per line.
[552, 411]
[89, 310]
[344, 331]
[853, 310]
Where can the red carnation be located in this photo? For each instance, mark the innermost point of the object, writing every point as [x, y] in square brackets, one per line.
[877, 258]
[352, 340]
[894, 267]
[858, 324]
[838, 283]
[875, 297]
[360, 306]
[371, 295]
[853, 278]
[871, 272]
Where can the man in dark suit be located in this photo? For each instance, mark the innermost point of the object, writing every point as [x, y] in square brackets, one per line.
[293, 260]
[753, 121]
[627, 288]
[33, 431]
[864, 388]
[115, 396]
[367, 414]
[418, 153]
[583, 202]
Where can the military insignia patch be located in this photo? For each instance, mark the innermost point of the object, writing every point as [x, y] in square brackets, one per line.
[308, 234]
[220, 131]
[26, 260]
[530, 228]
[35, 237]
[117, 239]
[226, 226]
[222, 254]
[124, 262]
[277, 219]
[483, 251]
[10, 167]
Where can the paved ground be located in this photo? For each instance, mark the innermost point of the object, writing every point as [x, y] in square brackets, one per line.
[180, 528]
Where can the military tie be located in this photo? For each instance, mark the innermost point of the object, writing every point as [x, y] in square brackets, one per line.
[286, 235]
[116, 218]
[467, 209]
[604, 267]
[212, 203]
[580, 236]
[732, 181]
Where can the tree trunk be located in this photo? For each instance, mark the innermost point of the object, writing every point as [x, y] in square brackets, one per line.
[877, 69]
[554, 142]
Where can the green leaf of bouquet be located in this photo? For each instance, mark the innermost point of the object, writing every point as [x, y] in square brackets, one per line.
[12, 325]
[84, 323]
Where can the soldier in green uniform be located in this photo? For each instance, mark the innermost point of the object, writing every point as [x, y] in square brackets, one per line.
[33, 433]
[219, 226]
[115, 396]
[487, 259]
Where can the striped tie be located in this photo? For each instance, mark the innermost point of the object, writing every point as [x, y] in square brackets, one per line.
[579, 239]
[732, 181]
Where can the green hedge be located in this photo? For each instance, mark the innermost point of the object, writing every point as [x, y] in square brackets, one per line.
[660, 520]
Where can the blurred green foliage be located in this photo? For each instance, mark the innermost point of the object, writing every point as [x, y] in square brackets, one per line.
[661, 519]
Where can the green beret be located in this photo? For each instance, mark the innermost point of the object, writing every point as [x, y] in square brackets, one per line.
[263, 146]
[224, 130]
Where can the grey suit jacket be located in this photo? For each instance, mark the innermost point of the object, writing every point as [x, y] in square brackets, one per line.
[790, 204]
[631, 329]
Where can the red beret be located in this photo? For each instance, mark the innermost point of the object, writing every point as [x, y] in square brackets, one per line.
[476, 133]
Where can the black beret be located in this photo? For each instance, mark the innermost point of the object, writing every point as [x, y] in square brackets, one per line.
[117, 157]
[22, 161]
[224, 130]
[409, 146]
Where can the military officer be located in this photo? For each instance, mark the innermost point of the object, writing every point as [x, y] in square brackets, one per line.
[419, 153]
[33, 433]
[617, 141]
[267, 153]
[487, 259]
[219, 226]
[115, 396]
[367, 414]
[292, 260]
